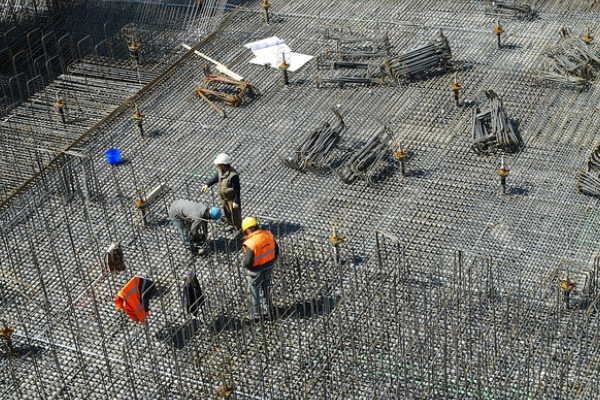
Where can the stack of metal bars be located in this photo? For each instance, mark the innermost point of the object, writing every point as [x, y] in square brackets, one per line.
[589, 181]
[365, 163]
[313, 152]
[356, 59]
[570, 62]
[492, 129]
[509, 9]
[416, 62]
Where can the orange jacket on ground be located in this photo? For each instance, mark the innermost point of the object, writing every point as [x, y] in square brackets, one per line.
[130, 298]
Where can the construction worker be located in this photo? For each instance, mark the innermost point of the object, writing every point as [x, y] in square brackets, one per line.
[260, 253]
[229, 190]
[190, 219]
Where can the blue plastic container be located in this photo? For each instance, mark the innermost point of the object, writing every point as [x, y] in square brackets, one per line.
[113, 156]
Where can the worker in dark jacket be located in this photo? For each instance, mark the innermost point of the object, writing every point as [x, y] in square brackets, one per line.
[229, 190]
[260, 253]
[193, 297]
[190, 219]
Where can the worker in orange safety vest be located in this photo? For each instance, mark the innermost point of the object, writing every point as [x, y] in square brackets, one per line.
[260, 253]
[134, 298]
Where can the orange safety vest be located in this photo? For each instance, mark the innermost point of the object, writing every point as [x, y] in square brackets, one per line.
[262, 243]
[129, 300]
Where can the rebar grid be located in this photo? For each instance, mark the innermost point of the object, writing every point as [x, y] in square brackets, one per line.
[397, 317]
[73, 102]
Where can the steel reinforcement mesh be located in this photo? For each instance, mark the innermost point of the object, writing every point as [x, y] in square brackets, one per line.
[443, 287]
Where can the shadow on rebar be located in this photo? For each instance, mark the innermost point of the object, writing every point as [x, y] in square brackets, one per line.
[316, 307]
[159, 291]
[518, 191]
[161, 222]
[20, 351]
[511, 46]
[156, 133]
[386, 170]
[224, 322]
[179, 335]
[284, 228]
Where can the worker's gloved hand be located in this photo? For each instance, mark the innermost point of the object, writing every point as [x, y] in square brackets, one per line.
[236, 206]
[204, 189]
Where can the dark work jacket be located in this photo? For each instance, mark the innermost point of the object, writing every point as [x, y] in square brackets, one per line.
[146, 288]
[193, 298]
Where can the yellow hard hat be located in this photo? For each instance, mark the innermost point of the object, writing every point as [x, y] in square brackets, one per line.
[249, 222]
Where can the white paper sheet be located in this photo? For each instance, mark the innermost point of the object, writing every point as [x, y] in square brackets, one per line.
[268, 52]
[264, 43]
[295, 61]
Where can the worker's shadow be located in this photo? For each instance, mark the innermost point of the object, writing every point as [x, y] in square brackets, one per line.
[312, 308]
[23, 351]
[283, 228]
[179, 335]
[304, 310]
[224, 322]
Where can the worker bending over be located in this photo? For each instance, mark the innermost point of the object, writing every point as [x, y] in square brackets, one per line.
[190, 219]
[260, 253]
[229, 190]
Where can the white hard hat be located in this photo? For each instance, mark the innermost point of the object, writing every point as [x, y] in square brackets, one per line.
[223, 159]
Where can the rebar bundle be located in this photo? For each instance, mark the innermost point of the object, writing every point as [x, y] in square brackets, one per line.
[589, 183]
[313, 152]
[226, 90]
[594, 160]
[509, 9]
[365, 163]
[492, 130]
[416, 62]
[355, 60]
[570, 62]
[362, 72]
[349, 45]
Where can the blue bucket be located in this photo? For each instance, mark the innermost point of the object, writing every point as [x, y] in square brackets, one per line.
[113, 156]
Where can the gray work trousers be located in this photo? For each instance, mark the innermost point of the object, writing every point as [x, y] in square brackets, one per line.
[258, 282]
[197, 240]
